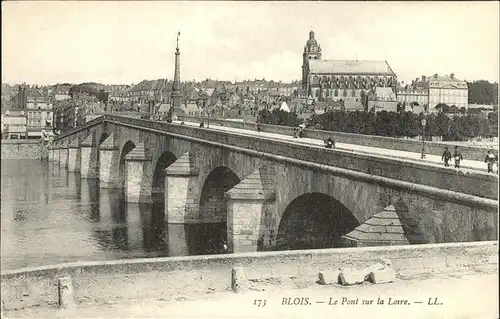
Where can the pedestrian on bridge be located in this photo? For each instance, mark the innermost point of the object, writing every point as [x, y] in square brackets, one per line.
[446, 157]
[329, 142]
[457, 155]
[490, 160]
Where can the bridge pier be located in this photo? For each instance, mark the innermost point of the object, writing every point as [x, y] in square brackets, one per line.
[73, 160]
[246, 207]
[109, 163]
[63, 155]
[54, 152]
[56, 155]
[88, 153]
[181, 192]
[138, 176]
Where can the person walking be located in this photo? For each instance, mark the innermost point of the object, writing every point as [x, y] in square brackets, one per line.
[490, 160]
[329, 142]
[457, 155]
[446, 157]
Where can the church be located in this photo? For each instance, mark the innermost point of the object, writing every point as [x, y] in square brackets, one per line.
[345, 79]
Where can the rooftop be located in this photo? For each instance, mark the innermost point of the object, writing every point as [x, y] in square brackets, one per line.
[443, 78]
[350, 67]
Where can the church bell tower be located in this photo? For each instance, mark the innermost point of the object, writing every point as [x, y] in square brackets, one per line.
[312, 50]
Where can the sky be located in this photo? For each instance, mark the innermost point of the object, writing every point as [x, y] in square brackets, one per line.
[125, 42]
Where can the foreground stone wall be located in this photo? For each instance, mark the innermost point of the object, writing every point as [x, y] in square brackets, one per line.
[23, 149]
[169, 278]
[435, 148]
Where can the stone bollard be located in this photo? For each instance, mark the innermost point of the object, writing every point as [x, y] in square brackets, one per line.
[385, 275]
[239, 282]
[328, 277]
[351, 276]
[65, 292]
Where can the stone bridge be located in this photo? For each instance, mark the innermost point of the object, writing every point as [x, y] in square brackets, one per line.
[274, 194]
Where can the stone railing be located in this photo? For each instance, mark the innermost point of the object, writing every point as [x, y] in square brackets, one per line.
[473, 153]
[87, 283]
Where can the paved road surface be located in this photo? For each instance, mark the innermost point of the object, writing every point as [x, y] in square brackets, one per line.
[470, 295]
[431, 160]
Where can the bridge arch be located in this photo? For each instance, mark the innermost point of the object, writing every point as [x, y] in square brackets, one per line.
[213, 206]
[314, 221]
[122, 171]
[102, 137]
[158, 177]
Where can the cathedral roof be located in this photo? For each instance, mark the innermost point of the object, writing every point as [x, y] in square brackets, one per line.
[350, 67]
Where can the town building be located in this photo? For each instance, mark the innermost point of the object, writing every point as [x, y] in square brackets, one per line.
[449, 90]
[429, 91]
[146, 90]
[14, 125]
[61, 92]
[37, 107]
[347, 80]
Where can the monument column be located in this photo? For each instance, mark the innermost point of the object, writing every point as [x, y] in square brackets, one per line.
[176, 96]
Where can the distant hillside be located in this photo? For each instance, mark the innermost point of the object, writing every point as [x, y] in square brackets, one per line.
[90, 88]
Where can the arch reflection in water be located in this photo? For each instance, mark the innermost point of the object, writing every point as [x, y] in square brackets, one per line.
[205, 239]
[110, 230]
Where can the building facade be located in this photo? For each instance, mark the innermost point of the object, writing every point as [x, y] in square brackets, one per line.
[429, 91]
[344, 79]
[449, 90]
[14, 125]
[37, 107]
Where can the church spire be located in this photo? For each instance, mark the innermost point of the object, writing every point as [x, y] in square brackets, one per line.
[175, 108]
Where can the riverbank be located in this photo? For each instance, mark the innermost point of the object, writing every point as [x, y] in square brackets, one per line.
[23, 149]
[467, 293]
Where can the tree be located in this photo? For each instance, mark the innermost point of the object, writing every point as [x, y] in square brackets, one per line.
[484, 127]
[493, 123]
[483, 92]
[441, 126]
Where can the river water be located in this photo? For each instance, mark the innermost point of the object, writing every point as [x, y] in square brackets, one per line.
[50, 216]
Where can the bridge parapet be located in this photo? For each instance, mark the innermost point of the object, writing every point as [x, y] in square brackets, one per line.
[475, 153]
